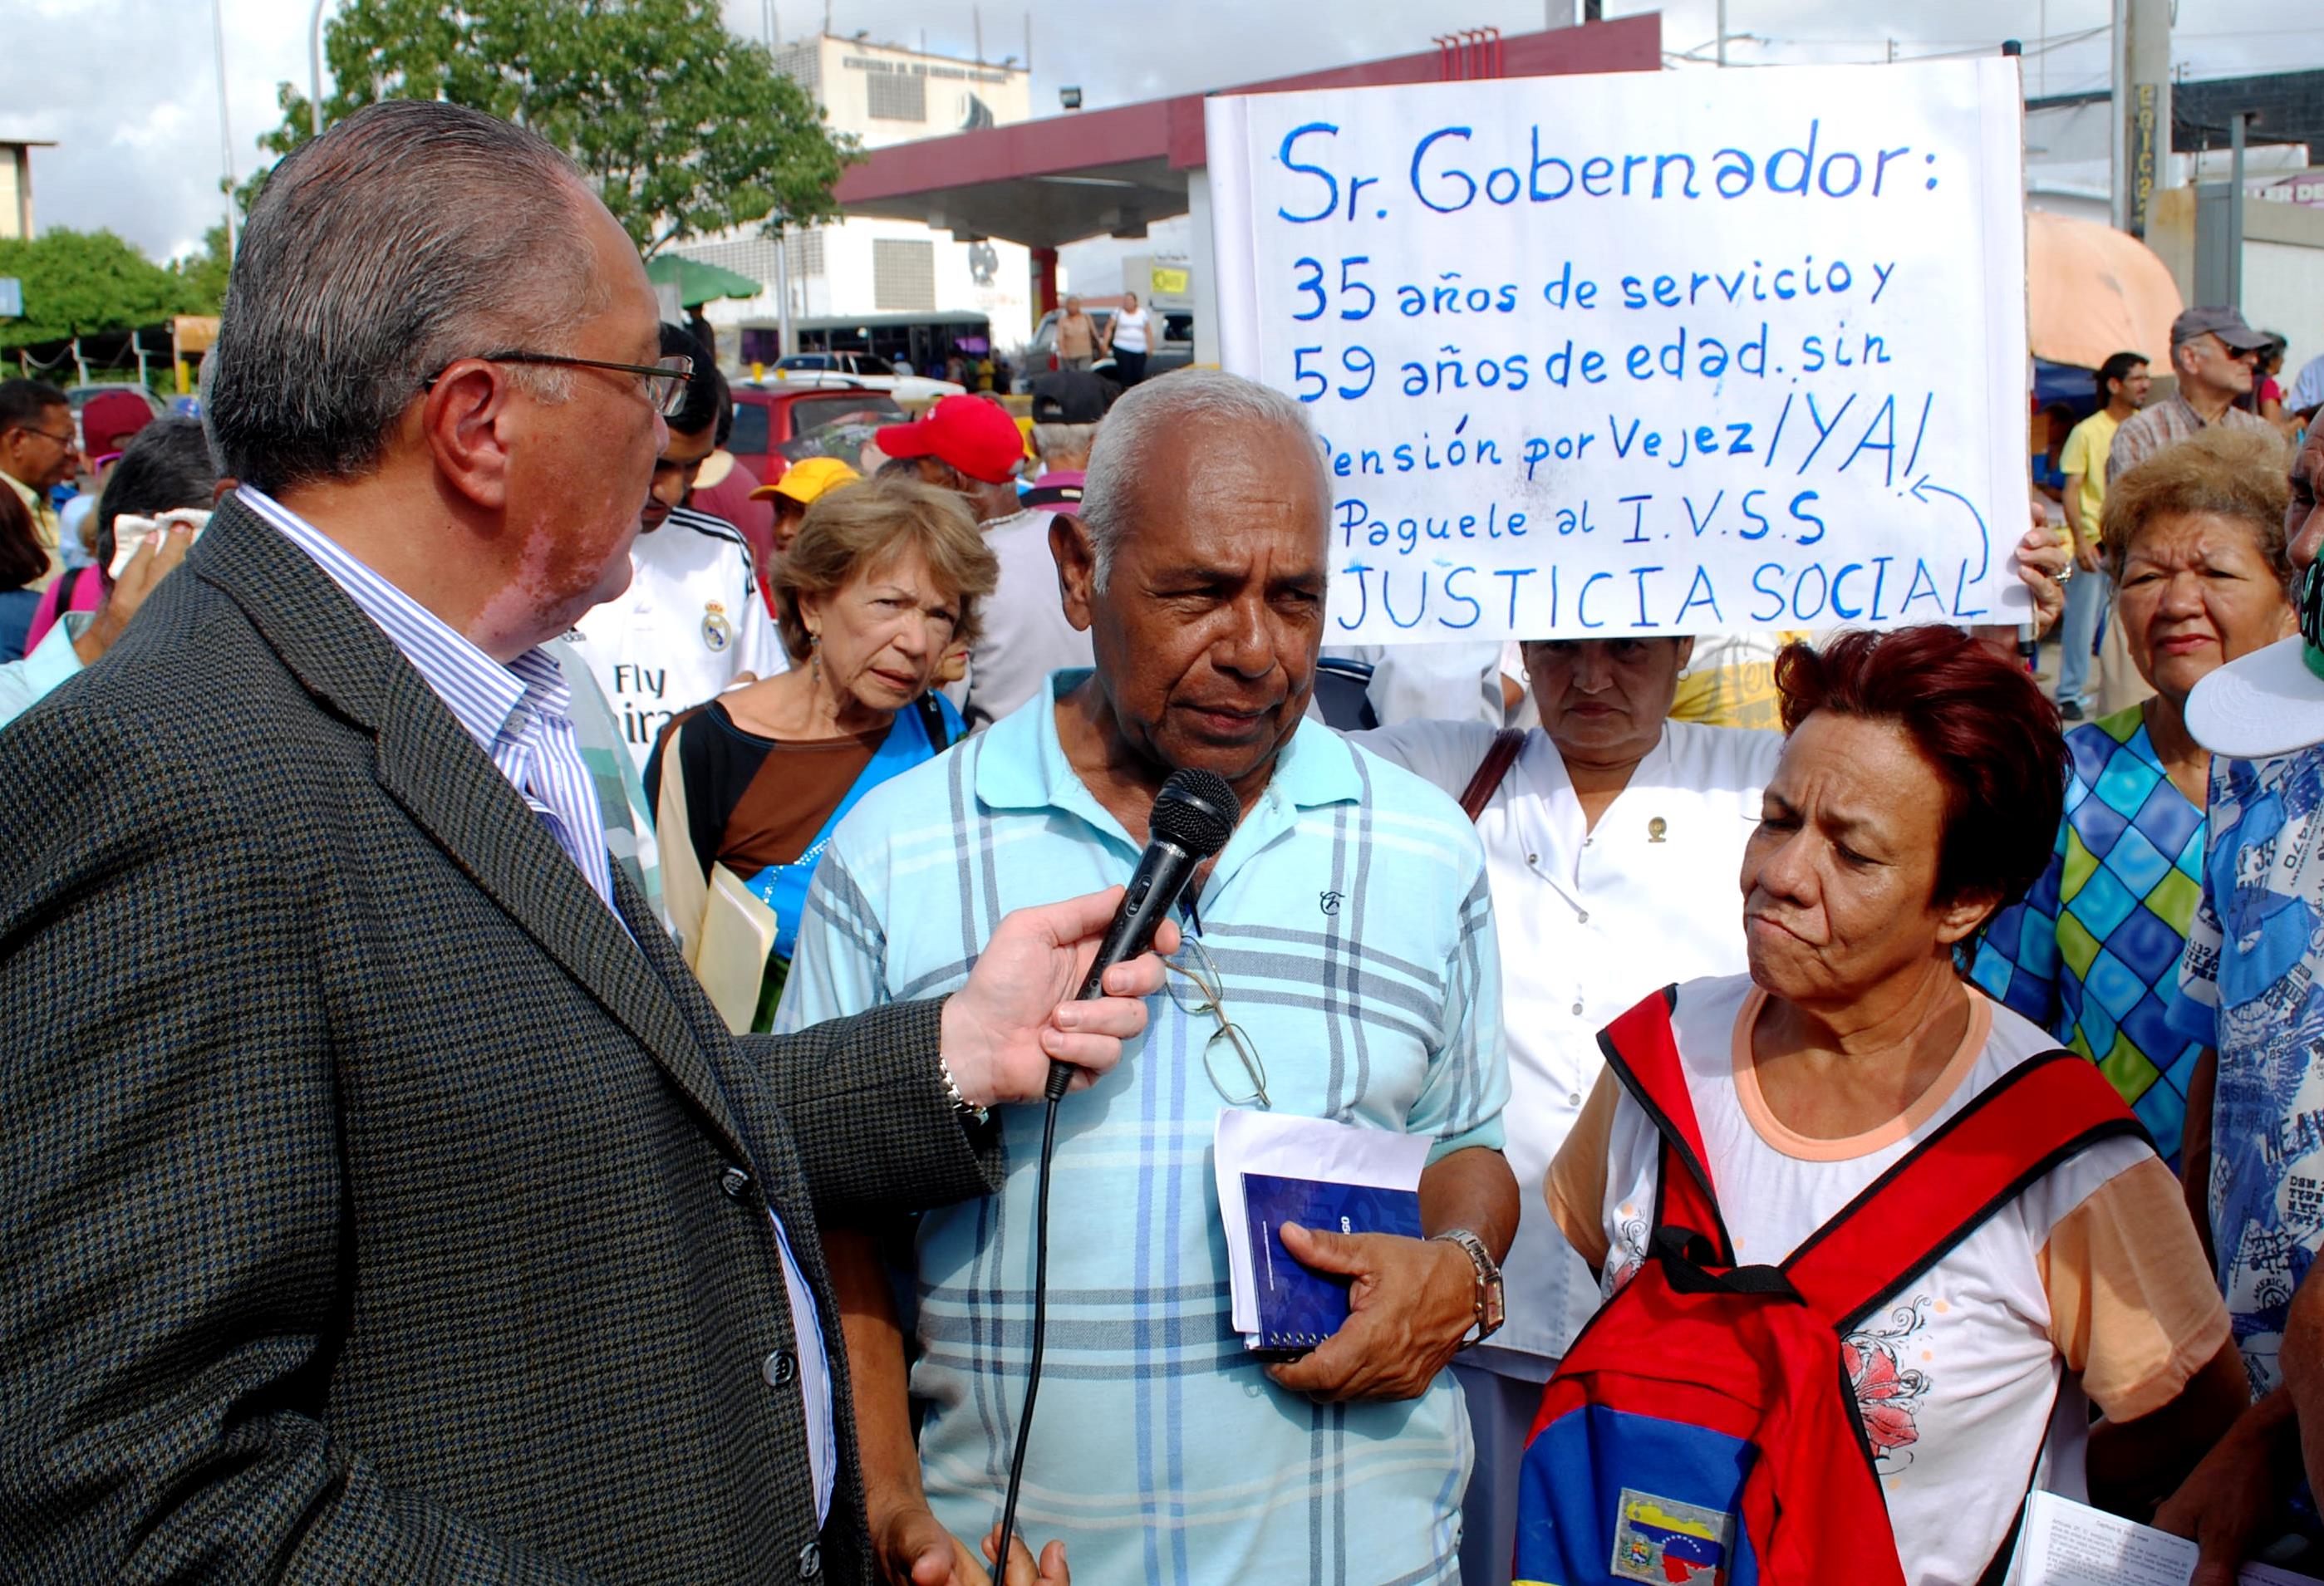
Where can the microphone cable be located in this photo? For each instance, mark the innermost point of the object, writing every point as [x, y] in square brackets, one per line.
[1040, 1337]
[1192, 817]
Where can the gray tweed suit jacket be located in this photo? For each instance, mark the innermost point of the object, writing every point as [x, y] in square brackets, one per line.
[373, 1206]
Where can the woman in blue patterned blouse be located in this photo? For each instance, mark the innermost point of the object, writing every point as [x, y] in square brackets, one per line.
[2194, 538]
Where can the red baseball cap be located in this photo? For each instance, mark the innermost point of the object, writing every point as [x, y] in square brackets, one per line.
[975, 436]
[109, 419]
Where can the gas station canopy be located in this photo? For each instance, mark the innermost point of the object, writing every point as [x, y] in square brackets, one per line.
[1113, 171]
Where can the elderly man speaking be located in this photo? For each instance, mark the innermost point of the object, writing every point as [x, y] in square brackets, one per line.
[1339, 962]
[380, 1198]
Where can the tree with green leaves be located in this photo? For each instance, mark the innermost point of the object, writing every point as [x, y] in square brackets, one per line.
[81, 283]
[205, 273]
[682, 127]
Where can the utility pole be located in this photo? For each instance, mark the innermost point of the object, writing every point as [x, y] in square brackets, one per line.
[315, 68]
[2236, 133]
[1722, 32]
[2142, 95]
[786, 342]
[225, 127]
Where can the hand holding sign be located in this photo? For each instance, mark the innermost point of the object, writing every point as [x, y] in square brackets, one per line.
[1648, 353]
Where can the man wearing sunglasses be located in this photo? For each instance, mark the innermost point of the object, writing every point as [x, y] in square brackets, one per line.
[38, 452]
[2212, 355]
[691, 624]
[381, 1199]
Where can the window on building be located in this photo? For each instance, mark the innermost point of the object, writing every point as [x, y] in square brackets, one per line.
[897, 96]
[903, 275]
[755, 256]
[806, 253]
[803, 64]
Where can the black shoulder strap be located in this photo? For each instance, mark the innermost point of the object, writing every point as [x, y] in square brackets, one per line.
[932, 722]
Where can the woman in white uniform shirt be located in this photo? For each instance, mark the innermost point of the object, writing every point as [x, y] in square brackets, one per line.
[1612, 844]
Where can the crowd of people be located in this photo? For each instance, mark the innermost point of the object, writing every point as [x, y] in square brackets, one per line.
[530, 992]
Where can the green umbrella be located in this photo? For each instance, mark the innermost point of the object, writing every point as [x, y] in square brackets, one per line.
[697, 283]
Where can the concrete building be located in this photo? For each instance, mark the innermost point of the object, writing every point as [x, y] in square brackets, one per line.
[885, 94]
[16, 186]
[1121, 171]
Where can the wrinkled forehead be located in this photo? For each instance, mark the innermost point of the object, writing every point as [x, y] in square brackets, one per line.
[1214, 479]
[1847, 771]
[2175, 541]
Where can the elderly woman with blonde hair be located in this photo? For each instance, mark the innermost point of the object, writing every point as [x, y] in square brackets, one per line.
[2194, 538]
[883, 578]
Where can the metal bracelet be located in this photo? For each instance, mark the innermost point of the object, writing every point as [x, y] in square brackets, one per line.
[960, 1103]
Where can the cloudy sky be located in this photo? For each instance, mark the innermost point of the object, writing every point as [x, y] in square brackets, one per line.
[128, 89]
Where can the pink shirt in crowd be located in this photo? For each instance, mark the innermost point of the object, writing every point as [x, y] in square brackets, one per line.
[87, 591]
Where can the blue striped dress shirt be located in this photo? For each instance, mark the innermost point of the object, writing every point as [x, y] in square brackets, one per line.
[520, 713]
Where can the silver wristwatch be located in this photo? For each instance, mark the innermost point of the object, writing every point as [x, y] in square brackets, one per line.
[1491, 1310]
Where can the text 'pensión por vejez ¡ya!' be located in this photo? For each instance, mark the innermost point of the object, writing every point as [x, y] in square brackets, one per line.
[1644, 352]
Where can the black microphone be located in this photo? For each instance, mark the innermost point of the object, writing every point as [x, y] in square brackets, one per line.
[1194, 816]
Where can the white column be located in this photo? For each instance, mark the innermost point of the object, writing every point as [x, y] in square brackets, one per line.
[1206, 277]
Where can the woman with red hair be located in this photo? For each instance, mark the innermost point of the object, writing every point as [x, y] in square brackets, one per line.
[1919, 789]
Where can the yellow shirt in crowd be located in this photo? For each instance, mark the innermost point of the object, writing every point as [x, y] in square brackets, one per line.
[2086, 453]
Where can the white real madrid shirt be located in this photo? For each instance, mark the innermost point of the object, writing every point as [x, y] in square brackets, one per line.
[1589, 923]
[690, 622]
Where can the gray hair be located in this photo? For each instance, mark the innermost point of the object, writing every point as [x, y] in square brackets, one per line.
[411, 234]
[1155, 408]
[1052, 440]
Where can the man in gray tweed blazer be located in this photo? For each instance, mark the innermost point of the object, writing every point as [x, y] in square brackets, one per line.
[379, 1199]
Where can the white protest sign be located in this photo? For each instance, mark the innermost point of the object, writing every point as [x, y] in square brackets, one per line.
[1645, 353]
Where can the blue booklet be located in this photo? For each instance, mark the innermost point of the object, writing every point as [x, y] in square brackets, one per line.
[1299, 1307]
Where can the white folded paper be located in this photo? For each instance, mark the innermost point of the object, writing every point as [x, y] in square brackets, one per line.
[2068, 1544]
[1251, 1141]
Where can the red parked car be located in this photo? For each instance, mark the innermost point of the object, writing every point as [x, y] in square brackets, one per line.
[768, 418]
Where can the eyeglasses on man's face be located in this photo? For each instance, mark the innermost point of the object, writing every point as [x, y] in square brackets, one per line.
[64, 439]
[664, 381]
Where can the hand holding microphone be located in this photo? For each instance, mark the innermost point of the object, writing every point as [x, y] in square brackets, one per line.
[1059, 989]
[1192, 817]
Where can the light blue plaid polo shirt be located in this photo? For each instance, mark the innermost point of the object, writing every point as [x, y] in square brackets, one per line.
[1349, 920]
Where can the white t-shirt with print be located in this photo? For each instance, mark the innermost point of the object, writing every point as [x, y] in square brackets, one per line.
[1958, 1376]
[690, 622]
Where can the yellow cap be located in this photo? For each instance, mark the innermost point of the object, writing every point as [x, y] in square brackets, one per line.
[808, 478]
